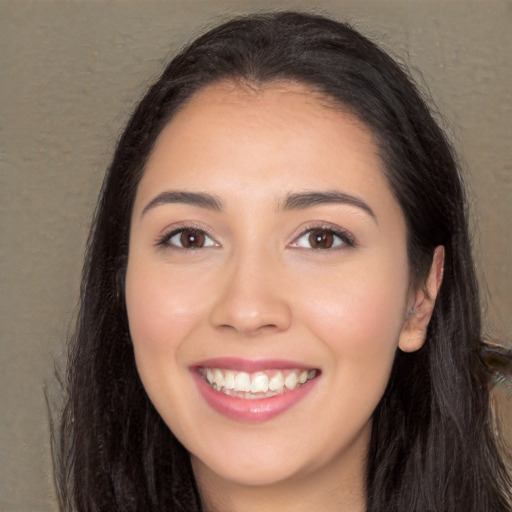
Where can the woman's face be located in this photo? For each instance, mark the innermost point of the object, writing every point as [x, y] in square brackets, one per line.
[267, 283]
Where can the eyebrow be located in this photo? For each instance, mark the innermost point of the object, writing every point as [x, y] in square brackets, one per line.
[297, 201]
[199, 199]
[308, 199]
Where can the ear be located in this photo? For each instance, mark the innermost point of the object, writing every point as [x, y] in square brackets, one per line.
[421, 306]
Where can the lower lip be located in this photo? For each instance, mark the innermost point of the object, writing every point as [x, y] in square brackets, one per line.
[255, 410]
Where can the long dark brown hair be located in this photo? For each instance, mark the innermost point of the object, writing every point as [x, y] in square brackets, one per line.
[432, 447]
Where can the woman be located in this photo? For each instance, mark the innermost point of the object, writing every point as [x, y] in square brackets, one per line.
[279, 308]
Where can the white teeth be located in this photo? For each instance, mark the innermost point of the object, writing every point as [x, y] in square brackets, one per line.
[291, 381]
[243, 382]
[218, 378]
[276, 382]
[259, 384]
[229, 379]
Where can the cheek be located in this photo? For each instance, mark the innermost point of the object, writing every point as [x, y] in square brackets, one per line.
[359, 322]
[162, 307]
[360, 313]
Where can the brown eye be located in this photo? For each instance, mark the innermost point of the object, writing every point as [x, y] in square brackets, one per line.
[324, 238]
[321, 239]
[188, 238]
[192, 239]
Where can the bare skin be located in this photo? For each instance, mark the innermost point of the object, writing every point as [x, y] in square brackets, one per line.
[230, 259]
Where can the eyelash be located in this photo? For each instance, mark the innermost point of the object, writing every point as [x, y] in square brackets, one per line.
[345, 239]
[165, 240]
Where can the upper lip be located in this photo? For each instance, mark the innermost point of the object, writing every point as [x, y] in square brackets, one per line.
[251, 365]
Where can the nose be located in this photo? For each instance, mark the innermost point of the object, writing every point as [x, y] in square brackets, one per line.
[252, 299]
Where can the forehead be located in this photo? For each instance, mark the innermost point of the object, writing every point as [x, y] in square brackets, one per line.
[259, 139]
[278, 104]
[242, 93]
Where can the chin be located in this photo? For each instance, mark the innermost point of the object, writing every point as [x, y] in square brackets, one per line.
[256, 474]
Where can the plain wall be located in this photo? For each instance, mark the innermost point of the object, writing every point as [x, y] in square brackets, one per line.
[71, 73]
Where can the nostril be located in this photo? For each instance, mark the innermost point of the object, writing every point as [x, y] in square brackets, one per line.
[250, 302]
[248, 329]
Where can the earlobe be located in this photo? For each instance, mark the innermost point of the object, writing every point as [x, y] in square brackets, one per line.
[414, 330]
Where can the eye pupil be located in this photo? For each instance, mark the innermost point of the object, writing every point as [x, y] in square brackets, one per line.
[192, 239]
[321, 239]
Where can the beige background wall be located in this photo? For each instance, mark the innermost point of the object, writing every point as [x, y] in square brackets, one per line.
[71, 73]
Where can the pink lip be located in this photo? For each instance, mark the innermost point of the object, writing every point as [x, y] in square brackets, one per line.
[251, 365]
[250, 410]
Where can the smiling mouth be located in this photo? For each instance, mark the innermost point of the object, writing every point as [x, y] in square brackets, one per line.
[255, 385]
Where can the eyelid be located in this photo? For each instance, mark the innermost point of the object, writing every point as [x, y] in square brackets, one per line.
[171, 231]
[346, 237]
